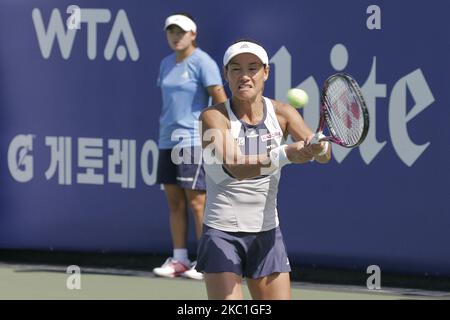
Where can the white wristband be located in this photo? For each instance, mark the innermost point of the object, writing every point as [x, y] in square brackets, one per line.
[324, 151]
[278, 156]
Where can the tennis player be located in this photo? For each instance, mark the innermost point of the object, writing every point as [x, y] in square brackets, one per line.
[244, 150]
[188, 78]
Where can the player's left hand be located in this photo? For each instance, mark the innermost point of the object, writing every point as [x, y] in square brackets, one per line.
[297, 153]
[315, 149]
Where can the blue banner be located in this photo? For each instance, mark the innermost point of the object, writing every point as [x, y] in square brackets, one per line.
[79, 112]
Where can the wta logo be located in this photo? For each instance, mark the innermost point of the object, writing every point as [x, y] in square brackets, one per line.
[64, 35]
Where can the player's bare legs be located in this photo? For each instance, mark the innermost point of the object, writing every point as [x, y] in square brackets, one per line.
[276, 286]
[178, 215]
[223, 286]
[196, 200]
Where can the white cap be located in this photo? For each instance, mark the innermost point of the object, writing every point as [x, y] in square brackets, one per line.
[182, 21]
[245, 47]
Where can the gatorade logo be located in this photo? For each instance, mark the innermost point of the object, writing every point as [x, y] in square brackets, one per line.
[20, 161]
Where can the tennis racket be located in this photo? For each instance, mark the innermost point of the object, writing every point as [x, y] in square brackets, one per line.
[343, 112]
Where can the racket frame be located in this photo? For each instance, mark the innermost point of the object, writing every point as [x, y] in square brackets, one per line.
[325, 116]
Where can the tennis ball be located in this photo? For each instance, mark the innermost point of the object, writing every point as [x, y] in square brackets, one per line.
[297, 98]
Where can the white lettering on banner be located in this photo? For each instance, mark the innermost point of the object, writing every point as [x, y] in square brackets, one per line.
[149, 147]
[339, 57]
[90, 156]
[55, 29]
[20, 162]
[371, 91]
[415, 82]
[60, 158]
[91, 17]
[371, 147]
[121, 160]
[283, 82]
[121, 28]
[398, 117]
[124, 155]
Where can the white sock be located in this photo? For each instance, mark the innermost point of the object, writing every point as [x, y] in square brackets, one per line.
[181, 255]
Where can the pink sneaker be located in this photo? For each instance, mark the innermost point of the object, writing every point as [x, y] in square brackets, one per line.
[170, 269]
[192, 273]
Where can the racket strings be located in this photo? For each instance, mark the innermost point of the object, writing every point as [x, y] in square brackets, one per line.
[344, 112]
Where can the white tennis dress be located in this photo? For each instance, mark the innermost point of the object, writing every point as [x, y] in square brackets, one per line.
[248, 205]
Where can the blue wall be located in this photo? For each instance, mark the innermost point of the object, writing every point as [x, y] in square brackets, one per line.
[384, 203]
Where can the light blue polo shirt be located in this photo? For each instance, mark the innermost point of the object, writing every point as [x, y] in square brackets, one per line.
[184, 95]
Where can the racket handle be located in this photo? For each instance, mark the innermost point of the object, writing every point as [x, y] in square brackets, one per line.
[317, 137]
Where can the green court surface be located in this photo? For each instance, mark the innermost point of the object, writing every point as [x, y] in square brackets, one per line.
[49, 282]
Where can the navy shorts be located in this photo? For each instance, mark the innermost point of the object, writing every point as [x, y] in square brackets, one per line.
[251, 255]
[187, 171]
